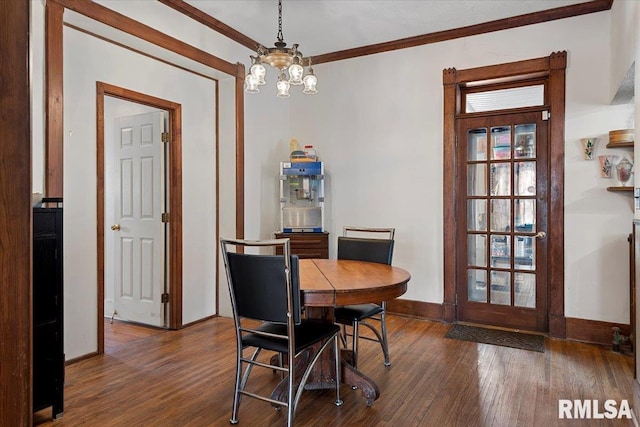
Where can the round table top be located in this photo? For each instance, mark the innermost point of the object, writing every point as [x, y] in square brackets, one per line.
[331, 282]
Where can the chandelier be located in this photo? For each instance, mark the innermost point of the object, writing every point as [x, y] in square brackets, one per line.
[283, 59]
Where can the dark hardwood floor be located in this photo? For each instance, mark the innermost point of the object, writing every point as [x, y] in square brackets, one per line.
[151, 377]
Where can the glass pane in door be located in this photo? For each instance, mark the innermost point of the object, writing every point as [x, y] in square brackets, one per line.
[501, 287]
[477, 285]
[477, 144]
[525, 179]
[477, 215]
[477, 250]
[500, 215]
[501, 142]
[500, 179]
[525, 141]
[525, 290]
[525, 253]
[500, 251]
[525, 215]
[477, 179]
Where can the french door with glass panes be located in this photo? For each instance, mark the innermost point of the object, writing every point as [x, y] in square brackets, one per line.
[501, 212]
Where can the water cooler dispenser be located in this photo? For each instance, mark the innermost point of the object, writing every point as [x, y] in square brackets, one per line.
[302, 196]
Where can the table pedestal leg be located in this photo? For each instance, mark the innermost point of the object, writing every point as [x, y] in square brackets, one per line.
[281, 391]
[357, 379]
[323, 374]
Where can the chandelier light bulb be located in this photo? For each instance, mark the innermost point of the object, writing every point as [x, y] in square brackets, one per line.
[310, 81]
[295, 74]
[259, 72]
[283, 86]
[251, 84]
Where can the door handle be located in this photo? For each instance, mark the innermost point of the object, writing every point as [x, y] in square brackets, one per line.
[115, 227]
[540, 235]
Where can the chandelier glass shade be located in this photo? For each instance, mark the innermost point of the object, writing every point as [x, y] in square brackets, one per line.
[288, 61]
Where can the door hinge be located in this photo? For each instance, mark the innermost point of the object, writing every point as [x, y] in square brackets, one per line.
[165, 217]
[456, 299]
[165, 136]
[164, 298]
[546, 115]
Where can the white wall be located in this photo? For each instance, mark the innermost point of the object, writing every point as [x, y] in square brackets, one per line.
[227, 195]
[177, 25]
[37, 96]
[622, 42]
[87, 60]
[377, 123]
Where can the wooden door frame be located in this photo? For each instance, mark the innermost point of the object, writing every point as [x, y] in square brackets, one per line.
[553, 68]
[174, 253]
[15, 216]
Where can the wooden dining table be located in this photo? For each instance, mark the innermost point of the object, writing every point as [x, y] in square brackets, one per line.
[327, 283]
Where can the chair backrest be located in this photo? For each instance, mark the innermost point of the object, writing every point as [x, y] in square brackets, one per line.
[368, 232]
[263, 287]
[366, 249]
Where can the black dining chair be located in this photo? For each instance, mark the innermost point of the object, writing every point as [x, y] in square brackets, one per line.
[372, 249]
[267, 288]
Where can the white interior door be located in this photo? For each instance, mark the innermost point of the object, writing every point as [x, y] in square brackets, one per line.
[138, 229]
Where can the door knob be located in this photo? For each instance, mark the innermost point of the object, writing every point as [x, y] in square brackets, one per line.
[540, 235]
[115, 227]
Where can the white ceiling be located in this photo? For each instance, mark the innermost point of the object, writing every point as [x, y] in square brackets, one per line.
[323, 26]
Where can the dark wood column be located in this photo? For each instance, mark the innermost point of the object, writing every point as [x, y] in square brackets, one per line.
[557, 82]
[451, 90]
[15, 215]
[54, 100]
[240, 73]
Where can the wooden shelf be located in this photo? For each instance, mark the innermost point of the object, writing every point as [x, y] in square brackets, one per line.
[621, 189]
[620, 145]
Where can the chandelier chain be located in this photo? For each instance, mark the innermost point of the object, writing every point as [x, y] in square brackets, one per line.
[280, 37]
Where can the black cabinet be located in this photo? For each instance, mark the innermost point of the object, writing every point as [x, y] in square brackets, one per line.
[48, 350]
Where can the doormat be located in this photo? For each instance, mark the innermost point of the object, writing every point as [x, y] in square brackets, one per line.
[497, 337]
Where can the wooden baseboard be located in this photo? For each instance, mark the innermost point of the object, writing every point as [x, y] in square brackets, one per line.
[583, 330]
[81, 358]
[425, 310]
[557, 326]
[195, 322]
[593, 331]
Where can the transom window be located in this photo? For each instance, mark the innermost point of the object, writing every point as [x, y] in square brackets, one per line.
[482, 100]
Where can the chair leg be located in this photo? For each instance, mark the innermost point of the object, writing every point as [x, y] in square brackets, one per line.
[354, 343]
[343, 335]
[236, 393]
[385, 343]
[241, 382]
[281, 364]
[381, 338]
[338, 369]
[291, 398]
